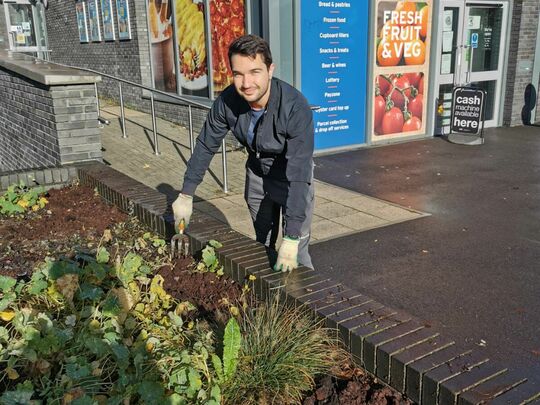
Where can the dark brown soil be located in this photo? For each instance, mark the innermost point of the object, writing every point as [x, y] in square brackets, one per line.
[75, 219]
[74, 216]
[212, 295]
[353, 387]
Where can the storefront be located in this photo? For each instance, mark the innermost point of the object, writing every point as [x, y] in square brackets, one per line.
[25, 27]
[379, 72]
[471, 50]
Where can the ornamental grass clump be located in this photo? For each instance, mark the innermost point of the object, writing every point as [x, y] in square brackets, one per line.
[283, 349]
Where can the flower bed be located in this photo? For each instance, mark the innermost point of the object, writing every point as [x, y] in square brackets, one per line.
[94, 311]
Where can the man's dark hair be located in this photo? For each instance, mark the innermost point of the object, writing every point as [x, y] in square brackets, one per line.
[251, 45]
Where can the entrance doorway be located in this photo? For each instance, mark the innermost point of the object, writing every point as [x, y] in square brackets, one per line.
[26, 26]
[470, 48]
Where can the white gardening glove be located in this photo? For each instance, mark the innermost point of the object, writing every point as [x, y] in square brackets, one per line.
[182, 209]
[287, 255]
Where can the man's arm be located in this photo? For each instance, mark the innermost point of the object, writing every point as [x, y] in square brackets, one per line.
[299, 165]
[208, 143]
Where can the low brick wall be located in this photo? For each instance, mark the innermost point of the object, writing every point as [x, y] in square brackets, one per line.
[55, 177]
[48, 115]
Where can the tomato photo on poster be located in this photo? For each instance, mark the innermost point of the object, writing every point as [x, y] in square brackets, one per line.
[227, 23]
[398, 105]
[401, 68]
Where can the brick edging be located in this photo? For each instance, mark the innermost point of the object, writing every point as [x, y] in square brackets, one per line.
[396, 347]
[47, 177]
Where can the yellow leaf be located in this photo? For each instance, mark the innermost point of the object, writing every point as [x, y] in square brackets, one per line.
[7, 315]
[35, 207]
[252, 277]
[22, 203]
[234, 311]
[43, 200]
[12, 373]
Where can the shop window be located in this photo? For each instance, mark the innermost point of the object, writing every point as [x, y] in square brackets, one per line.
[190, 41]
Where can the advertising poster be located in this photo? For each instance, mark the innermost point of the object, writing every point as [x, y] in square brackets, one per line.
[161, 40]
[108, 20]
[93, 19]
[80, 11]
[334, 45]
[401, 69]
[122, 14]
[191, 40]
[227, 22]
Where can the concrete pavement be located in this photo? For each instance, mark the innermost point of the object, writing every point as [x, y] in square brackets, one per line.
[337, 212]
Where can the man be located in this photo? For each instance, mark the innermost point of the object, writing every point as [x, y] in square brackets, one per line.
[274, 122]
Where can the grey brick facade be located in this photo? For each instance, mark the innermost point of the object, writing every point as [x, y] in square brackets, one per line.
[128, 59]
[43, 126]
[525, 17]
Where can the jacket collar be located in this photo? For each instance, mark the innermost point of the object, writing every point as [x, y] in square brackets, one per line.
[273, 100]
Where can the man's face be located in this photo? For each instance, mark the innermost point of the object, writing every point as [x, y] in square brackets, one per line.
[252, 79]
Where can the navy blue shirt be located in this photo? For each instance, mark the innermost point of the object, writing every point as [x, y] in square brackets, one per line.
[255, 117]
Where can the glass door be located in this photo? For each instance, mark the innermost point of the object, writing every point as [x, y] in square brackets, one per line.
[470, 51]
[482, 66]
[449, 64]
[26, 27]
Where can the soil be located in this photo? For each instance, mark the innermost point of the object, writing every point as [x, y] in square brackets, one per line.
[68, 224]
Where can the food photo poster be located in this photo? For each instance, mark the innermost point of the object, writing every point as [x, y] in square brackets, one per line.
[401, 66]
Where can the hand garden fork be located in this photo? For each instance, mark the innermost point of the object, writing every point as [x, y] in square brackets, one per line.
[180, 243]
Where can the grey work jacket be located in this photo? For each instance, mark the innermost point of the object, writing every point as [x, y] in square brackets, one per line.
[283, 147]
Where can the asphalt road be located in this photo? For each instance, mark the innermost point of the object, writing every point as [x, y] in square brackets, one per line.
[472, 268]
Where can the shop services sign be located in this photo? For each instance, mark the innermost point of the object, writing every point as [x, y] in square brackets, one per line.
[401, 66]
[334, 39]
[467, 110]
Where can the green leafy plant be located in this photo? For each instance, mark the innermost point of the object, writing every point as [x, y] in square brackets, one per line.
[231, 348]
[283, 349]
[19, 198]
[210, 262]
[86, 331]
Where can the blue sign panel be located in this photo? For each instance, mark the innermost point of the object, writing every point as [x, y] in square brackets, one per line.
[474, 40]
[334, 40]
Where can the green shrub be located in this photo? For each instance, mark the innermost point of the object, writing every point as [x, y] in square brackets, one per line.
[282, 350]
[83, 331]
[19, 198]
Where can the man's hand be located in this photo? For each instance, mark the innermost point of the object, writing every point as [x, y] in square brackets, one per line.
[182, 209]
[288, 255]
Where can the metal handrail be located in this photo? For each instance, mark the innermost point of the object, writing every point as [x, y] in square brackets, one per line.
[189, 103]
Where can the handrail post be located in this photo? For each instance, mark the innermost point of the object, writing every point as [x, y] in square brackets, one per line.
[190, 115]
[154, 125]
[97, 100]
[224, 162]
[122, 113]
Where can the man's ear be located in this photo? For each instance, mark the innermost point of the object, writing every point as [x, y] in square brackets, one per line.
[271, 70]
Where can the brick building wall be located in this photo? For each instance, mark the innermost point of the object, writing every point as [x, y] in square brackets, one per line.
[127, 59]
[522, 44]
[43, 126]
[26, 127]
